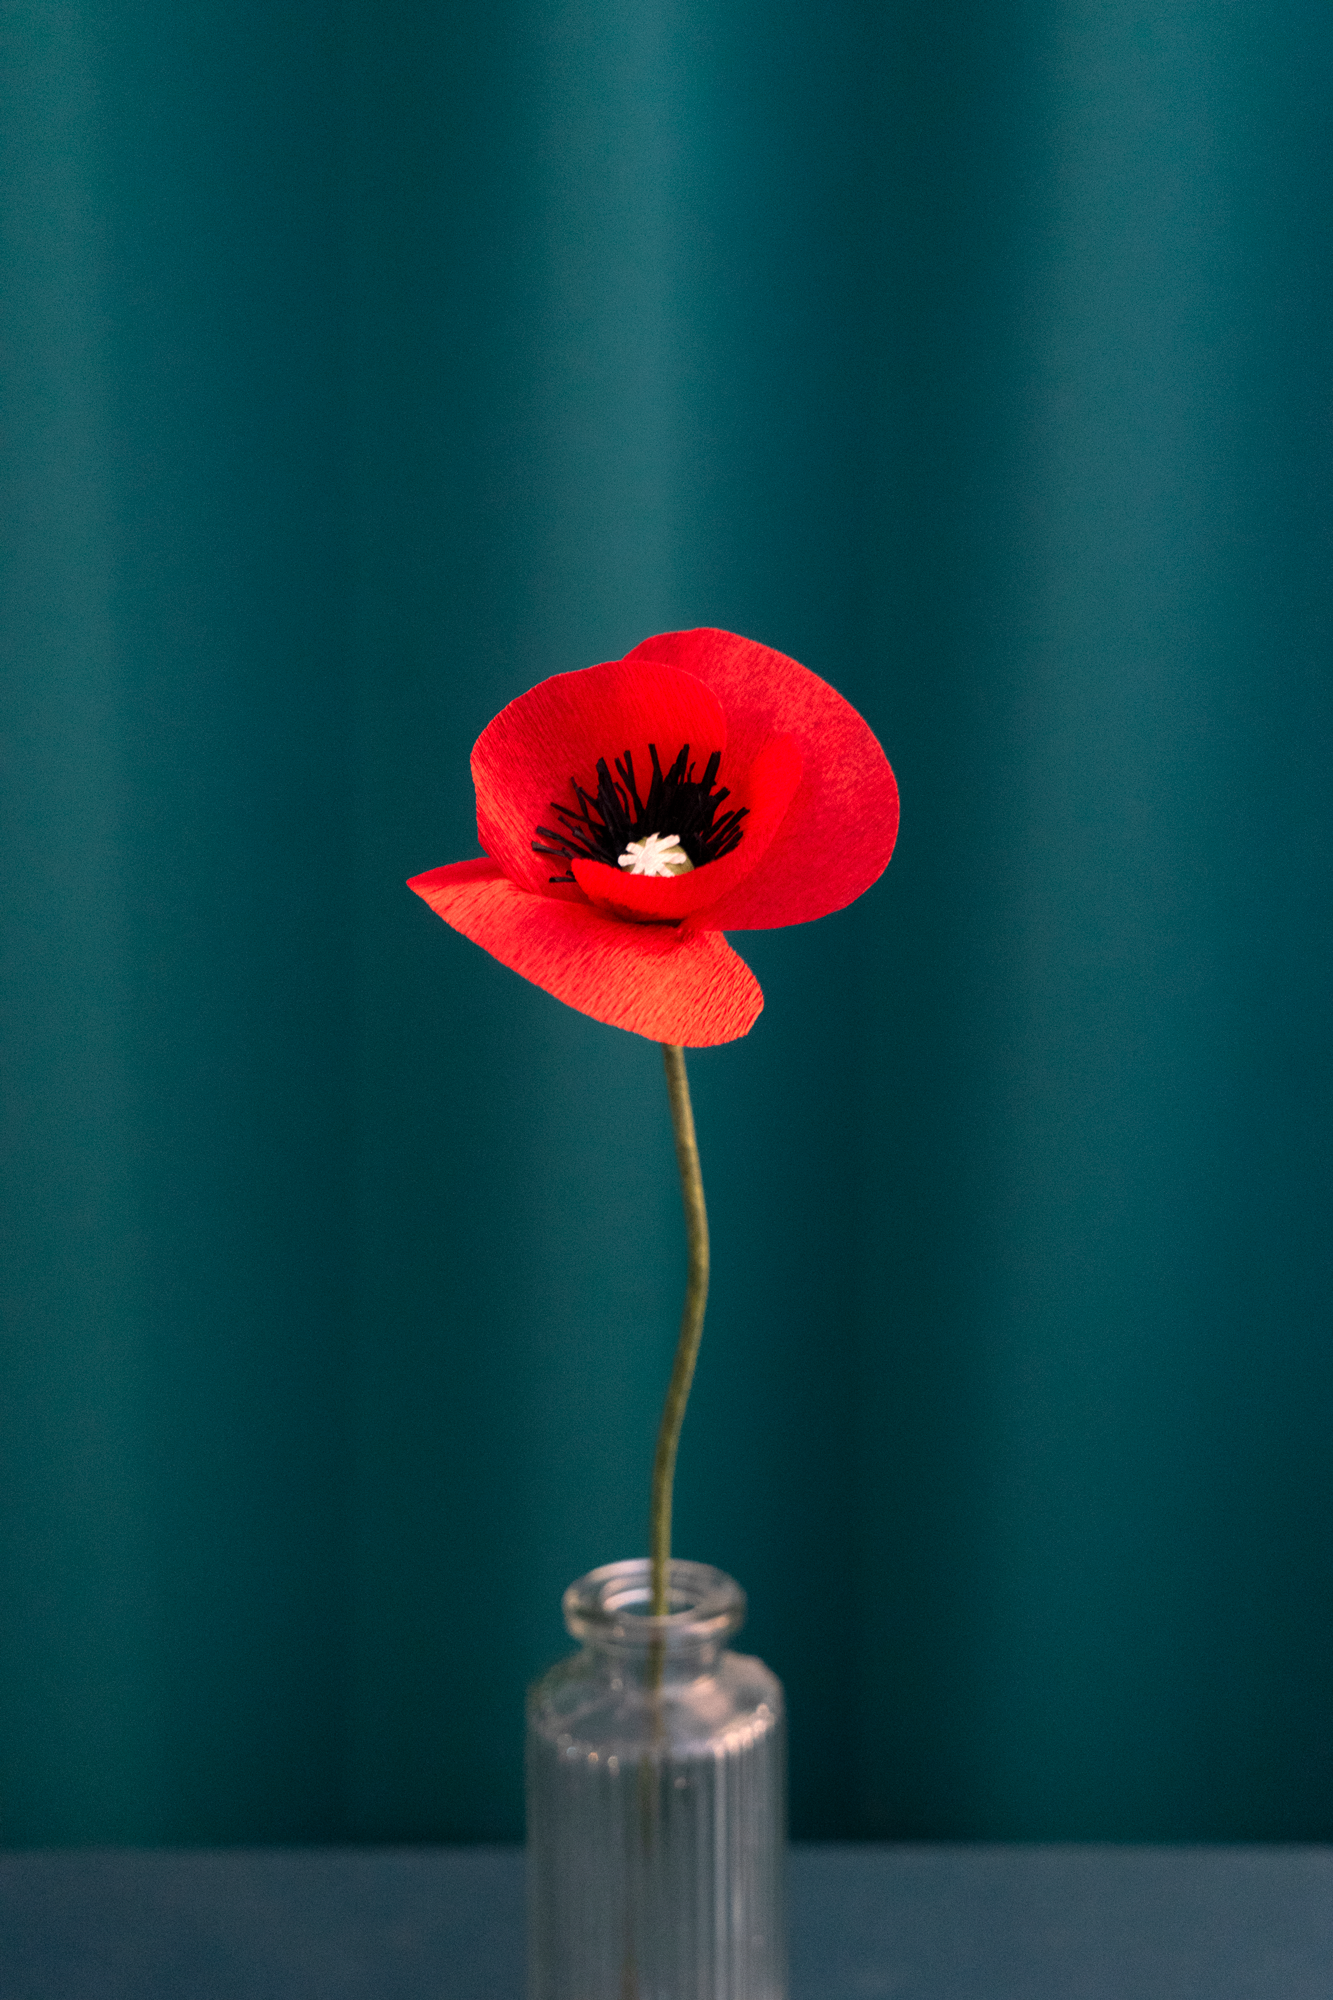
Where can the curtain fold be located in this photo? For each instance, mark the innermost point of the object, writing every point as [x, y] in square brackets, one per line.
[367, 365]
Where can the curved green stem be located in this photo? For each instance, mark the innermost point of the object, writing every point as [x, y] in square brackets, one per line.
[691, 1323]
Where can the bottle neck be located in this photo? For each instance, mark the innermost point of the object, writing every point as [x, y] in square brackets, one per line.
[607, 1611]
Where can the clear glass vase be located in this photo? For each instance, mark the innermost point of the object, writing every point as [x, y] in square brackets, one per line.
[656, 1800]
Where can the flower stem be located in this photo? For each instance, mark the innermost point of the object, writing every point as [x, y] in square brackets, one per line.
[691, 1323]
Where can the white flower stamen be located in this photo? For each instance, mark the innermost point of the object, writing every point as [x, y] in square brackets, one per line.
[659, 854]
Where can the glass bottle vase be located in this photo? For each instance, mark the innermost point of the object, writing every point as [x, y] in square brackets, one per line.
[656, 1779]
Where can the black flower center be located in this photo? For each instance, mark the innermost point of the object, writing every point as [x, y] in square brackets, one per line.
[604, 822]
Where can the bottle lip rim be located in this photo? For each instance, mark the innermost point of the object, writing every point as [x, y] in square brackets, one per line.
[603, 1606]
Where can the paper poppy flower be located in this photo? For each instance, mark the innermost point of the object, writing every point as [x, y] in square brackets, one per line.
[632, 812]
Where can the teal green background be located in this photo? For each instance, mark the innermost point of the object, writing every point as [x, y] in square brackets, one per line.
[367, 364]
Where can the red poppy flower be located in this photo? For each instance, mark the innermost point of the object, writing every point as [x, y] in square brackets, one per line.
[634, 811]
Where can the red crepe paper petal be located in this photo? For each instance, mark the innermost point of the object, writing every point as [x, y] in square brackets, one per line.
[767, 791]
[558, 730]
[839, 830]
[672, 985]
[645, 953]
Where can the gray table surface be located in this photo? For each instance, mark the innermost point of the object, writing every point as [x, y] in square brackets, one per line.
[868, 1923]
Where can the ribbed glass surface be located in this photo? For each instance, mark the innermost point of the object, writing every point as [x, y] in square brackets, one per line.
[656, 1801]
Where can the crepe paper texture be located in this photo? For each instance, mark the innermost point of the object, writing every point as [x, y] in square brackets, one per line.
[774, 787]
